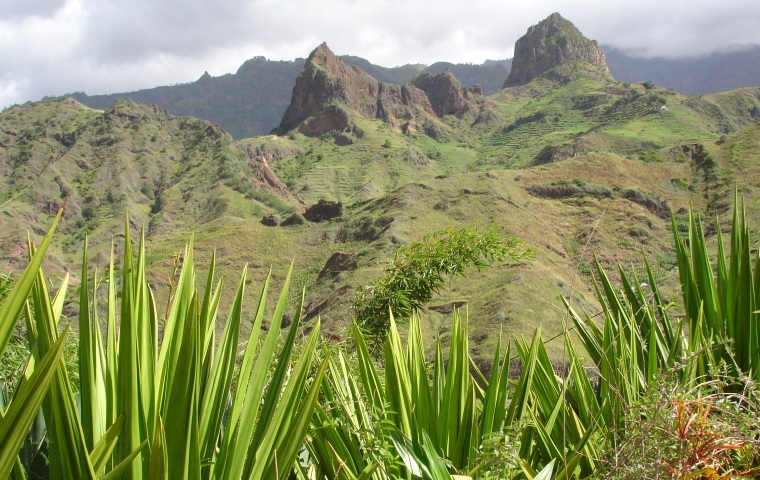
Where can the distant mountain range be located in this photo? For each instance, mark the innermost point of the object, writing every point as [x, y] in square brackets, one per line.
[719, 72]
[251, 101]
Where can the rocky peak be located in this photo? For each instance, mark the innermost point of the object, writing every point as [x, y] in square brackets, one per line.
[548, 44]
[446, 94]
[328, 94]
[325, 80]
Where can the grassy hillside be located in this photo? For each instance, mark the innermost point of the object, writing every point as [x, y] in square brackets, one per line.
[575, 163]
[171, 174]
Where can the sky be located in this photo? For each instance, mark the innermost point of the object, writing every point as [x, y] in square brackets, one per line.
[54, 47]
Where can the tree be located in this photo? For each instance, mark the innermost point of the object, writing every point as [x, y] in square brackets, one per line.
[419, 270]
[648, 85]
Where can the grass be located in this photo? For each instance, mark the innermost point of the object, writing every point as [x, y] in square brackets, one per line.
[406, 417]
[608, 152]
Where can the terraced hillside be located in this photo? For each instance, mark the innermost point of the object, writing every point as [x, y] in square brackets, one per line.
[574, 162]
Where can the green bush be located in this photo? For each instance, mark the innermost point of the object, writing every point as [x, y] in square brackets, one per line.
[418, 271]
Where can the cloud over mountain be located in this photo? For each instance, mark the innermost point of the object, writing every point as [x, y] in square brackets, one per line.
[99, 46]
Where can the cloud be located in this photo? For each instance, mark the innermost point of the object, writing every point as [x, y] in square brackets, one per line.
[52, 47]
[16, 10]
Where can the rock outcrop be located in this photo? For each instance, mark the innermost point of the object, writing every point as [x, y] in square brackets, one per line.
[549, 44]
[326, 80]
[401, 102]
[446, 94]
[258, 160]
[328, 92]
[324, 211]
[337, 263]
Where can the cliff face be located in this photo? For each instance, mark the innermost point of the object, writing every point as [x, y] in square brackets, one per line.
[326, 80]
[401, 102]
[328, 92]
[445, 93]
[550, 43]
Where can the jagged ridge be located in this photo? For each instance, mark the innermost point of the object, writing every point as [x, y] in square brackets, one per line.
[328, 92]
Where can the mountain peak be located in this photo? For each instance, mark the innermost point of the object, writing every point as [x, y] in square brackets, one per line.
[328, 93]
[548, 44]
[323, 56]
[322, 50]
[325, 82]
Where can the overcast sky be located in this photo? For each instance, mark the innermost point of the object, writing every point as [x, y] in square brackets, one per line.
[52, 47]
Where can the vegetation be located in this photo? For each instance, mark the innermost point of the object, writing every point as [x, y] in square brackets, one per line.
[419, 270]
[600, 355]
[135, 389]
[178, 175]
[6, 285]
[684, 403]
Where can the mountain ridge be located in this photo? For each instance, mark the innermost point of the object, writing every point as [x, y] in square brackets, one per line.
[574, 161]
[252, 100]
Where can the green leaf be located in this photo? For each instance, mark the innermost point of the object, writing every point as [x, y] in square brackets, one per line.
[101, 453]
[23, 408]
[14, 303]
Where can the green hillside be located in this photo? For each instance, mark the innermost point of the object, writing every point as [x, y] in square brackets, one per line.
[575, 163]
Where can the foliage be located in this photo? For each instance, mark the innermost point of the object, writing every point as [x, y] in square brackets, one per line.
[660, 401]
[6, 285]
[701, 432]
[419, 270]
[416, 425]
[723, 301]
[640, 341]
[17, 415]
[163, 409]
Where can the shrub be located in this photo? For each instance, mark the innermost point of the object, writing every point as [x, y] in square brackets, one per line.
[418, 271]
[701, 432]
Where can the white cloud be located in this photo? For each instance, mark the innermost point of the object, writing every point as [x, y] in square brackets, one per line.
[52, 47]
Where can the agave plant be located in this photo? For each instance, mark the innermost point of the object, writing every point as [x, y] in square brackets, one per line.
[639, 340]
[724, 303]
[423, 427]
[20, 411]
[137, 386]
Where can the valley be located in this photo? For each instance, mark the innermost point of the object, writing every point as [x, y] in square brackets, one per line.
[569, 159]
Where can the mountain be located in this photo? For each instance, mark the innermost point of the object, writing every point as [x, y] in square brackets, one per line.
[489, 75]
[574, 162]
[396, 75]
[550, 43]
[247, 103]
[168, 172]
[252, 101]
[718, 72]
[328, 95]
